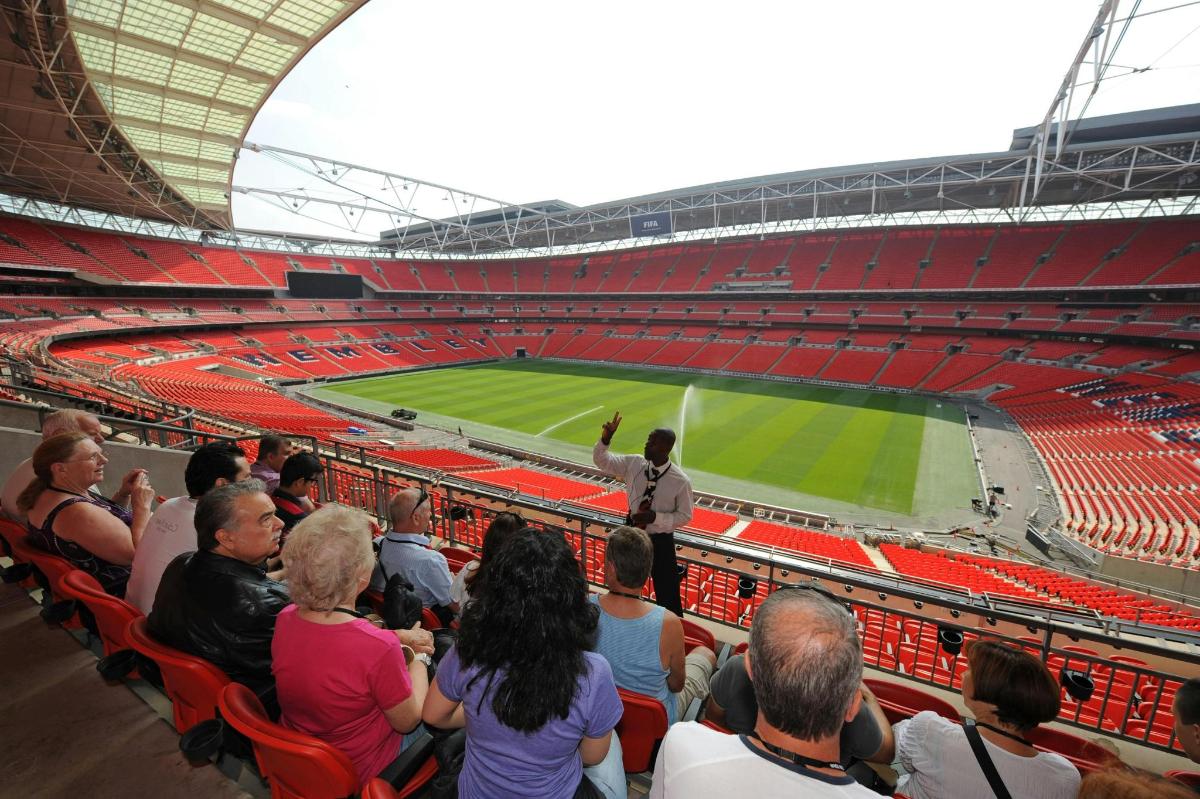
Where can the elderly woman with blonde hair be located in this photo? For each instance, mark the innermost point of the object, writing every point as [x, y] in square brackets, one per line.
[340, 678]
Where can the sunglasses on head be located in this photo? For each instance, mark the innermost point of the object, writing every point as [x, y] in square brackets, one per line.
[820, 589]
[422, 498]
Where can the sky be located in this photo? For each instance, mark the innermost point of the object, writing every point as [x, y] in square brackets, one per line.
[588, 103]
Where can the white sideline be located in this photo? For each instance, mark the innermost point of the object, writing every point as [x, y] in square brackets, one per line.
[564, 421]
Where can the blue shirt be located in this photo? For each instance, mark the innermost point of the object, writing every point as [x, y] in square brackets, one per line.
[633, 648]
[410, 555]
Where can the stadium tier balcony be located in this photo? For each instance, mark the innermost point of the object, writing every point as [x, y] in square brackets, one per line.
[807, 542]
[443, 460]
[538, 484]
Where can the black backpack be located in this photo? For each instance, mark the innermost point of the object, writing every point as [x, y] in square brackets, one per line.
[401, 605]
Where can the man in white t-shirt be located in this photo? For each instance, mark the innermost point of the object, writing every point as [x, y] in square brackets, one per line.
[171, 531]
[806, 664]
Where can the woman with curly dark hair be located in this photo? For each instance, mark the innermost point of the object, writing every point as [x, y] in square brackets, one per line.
[537, 705]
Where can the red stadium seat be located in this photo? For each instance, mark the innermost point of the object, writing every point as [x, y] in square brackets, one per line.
[642, 726]
[900, 702]
[456, 557]
[1189, 778]
[112, 615]
[1083, 754]
[295, 765]
[381, 789]
[192, 684]
[695, 635]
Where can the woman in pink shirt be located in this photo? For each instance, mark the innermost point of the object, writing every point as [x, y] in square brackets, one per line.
[338, 677]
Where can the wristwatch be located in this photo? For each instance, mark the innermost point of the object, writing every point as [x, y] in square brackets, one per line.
[424, 658]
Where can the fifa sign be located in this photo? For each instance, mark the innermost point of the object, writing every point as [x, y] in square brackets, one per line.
[658, 224]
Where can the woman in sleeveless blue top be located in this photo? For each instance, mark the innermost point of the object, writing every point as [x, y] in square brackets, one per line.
[632, 648]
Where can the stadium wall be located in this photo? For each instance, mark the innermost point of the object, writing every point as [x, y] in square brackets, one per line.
[1168, 578]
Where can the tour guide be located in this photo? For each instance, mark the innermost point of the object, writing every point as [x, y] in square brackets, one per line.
[660, 500]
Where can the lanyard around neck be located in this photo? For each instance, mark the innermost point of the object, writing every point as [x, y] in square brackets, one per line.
[1005, 733]
[651, 476]
[795, 757]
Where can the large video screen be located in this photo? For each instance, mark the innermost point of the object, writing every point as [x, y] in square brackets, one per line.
[325, 285]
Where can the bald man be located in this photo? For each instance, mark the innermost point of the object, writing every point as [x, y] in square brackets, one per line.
[68, 420]
[406, 550]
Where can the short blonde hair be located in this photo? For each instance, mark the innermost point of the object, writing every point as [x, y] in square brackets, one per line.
[326, 554]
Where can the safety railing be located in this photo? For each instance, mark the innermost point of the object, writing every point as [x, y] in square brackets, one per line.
[913, 629]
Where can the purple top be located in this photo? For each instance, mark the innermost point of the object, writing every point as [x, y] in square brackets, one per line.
[110, 576]
[501, 761]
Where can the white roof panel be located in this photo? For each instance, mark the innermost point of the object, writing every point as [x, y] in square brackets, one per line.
[182, 79]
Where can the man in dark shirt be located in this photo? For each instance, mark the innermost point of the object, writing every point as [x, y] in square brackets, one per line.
[218, 603]
[299, 474]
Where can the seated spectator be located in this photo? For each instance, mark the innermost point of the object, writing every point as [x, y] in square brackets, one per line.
[218, 603]
[642, 642]
[1186, 709]
[866, 737]
[171, 531]
[466, 582]
[806, 664]
[67, 518]
[405, 550]
[273, 450]
[1123, 783]
[537, 705]
[300, 472]
[1009, 692]
[338, 677]
[68, 420]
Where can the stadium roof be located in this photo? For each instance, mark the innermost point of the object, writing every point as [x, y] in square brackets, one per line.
[1143, 156]
[139, 107]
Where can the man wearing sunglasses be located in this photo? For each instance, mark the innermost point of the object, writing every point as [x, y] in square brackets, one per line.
[406, 550]
[659, 499]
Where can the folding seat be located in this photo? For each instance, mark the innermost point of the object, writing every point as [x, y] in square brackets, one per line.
[1189, 778]
[642, 727]
[192, 684]
[1083, 754]
[695, 635]
[900, 701]
[295, 765]
[56, 608]
[112, 615]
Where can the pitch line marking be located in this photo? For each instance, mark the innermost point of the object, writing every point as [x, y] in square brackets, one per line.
[564, 421]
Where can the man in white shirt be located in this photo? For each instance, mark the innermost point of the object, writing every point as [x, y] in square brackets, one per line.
[806, 663]
[171, 531]
[660, 501]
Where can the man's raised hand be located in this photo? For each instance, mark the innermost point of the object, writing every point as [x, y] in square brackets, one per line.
[608, 428]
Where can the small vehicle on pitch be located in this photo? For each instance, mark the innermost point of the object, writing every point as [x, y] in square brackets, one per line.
[404, 414]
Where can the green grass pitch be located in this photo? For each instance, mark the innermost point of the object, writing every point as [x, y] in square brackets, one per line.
[858, 447]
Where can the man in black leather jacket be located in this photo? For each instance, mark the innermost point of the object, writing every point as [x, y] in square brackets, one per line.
[218, 603]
